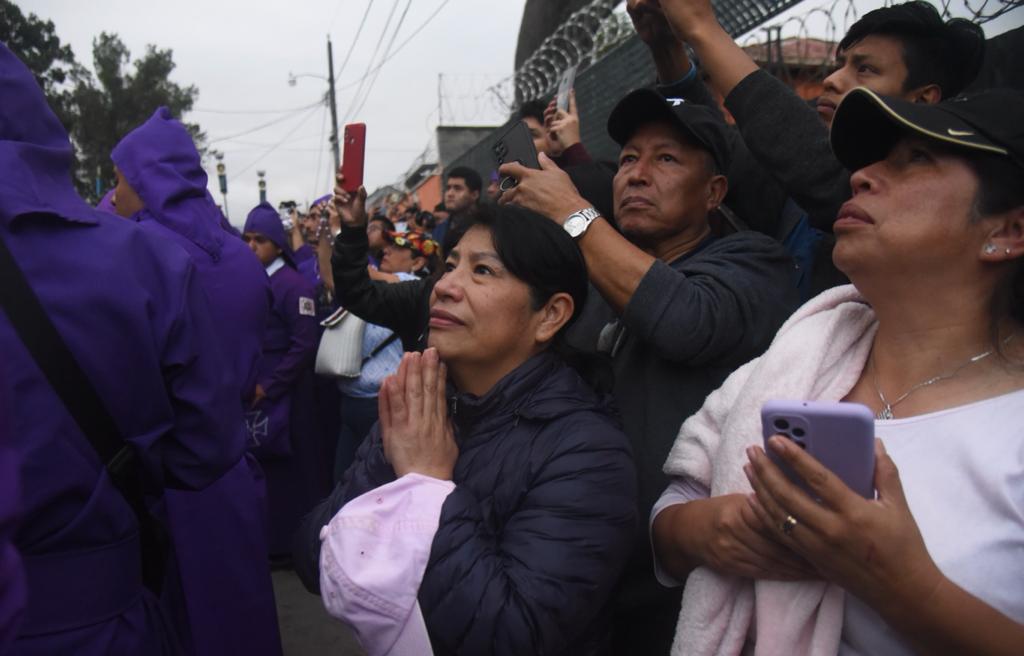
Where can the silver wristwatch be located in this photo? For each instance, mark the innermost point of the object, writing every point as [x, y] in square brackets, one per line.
[578, 222]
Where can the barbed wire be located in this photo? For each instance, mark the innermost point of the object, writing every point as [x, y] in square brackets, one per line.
[462, 103]
[808, 39]
[596, 29]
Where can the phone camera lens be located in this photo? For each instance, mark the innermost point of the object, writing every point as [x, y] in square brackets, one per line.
[798, 432]
[781, 424]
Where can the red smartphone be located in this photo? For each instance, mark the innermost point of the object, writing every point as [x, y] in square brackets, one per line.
[353, 156]
[841, 436]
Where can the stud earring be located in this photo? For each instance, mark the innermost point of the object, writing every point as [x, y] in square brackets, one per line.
[990, 249]
[1008, 251]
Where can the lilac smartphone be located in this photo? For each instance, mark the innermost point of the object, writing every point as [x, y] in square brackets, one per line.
[841, 436]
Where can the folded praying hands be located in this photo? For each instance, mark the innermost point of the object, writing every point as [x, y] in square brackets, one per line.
[414, 418]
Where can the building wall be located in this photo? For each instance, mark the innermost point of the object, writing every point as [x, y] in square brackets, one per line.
[598, 88]
[429, 194]
[454, 140]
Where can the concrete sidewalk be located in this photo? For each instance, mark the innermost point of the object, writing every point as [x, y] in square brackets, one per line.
[306, 628]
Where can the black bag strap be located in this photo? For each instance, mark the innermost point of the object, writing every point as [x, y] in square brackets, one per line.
[58, 363]
[61, 369]
[380, 347]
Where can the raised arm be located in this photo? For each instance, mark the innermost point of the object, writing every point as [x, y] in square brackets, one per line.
[403, 306]
[779, 128]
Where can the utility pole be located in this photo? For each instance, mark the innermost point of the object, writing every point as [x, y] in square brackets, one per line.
[262, 185]
[440, 110]
[334, 106]
[222, 178]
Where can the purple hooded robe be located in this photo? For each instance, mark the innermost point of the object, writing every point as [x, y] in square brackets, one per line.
[12, 575]
[225, 603]
[130, 309]
[283, 423]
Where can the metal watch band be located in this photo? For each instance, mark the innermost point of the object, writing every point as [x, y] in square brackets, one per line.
[578, 222]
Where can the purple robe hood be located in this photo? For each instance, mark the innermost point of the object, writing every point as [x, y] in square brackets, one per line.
[35, 154]
[265, 220]
[162, 165]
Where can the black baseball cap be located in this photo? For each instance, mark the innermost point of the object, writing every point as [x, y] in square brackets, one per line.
[866, 125]
[645, 106]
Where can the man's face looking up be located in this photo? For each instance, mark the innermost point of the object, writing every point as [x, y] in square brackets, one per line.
[540, 137]
[662, 187]
[457, 195]
[875, 62]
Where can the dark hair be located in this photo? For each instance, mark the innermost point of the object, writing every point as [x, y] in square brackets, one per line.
[1000, 189]
[543, 255]
[532, 109]
[389, 225]
[948, 54]
[535, 250]
[426, 220]
[471, 177]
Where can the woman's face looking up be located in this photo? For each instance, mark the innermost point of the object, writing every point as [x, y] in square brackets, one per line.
[482, 317]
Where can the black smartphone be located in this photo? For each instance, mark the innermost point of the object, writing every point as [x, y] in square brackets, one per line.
[515, 145]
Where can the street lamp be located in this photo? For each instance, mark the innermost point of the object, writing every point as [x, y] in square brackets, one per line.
[222, 178]
[262, 185]
[292, 78]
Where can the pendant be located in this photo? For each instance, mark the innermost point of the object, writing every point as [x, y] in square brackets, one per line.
[886, 412]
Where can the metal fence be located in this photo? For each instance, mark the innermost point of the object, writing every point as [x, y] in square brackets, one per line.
[611, 60]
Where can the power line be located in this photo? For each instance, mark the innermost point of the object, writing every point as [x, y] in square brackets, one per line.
[387, 51]
[254, 111]
[320, 155]
[352, 46]
[277, 145]
[369, 64]
[399, 48]
[263, 125]
[265, 144]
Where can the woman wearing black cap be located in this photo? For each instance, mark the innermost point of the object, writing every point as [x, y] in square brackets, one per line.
[931, 338]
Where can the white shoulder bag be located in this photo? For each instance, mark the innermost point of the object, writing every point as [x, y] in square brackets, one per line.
[341, 347]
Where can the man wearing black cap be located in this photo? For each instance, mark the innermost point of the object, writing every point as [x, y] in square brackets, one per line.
[682, 308]
[905, 50]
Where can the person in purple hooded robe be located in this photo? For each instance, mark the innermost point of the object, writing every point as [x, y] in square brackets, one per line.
[132, 313]
[306, 231]
[282, 417]
[12, 574]
[312, 261]
[225, 600]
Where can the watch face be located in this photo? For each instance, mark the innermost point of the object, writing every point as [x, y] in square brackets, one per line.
[574, 226]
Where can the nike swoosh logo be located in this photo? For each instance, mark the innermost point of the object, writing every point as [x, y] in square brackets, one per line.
[959, 133]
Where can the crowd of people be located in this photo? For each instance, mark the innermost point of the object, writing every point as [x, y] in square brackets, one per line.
[528, 420]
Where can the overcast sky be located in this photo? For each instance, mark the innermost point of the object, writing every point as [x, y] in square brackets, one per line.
[239, 55]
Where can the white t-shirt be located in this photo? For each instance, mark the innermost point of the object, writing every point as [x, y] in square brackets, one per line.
[962, 471]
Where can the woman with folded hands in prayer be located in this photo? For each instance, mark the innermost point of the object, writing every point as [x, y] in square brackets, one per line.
[490, 510]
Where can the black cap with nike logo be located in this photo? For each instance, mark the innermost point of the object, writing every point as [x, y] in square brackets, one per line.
[866, 126]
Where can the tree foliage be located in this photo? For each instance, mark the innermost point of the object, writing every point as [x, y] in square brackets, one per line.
[36, 43]
[117, 99]
[98, 108]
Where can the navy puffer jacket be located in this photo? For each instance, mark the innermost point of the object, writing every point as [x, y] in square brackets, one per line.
[536, 532]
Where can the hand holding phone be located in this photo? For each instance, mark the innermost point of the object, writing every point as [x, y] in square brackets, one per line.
[354, 156]
[515, 145]
[565, 85]
[841, 436]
